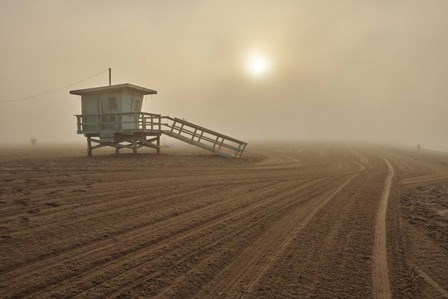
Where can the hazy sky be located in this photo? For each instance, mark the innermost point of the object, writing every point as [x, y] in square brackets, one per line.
[346, 69]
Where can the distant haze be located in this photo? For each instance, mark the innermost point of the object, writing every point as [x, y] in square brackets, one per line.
[357, 70]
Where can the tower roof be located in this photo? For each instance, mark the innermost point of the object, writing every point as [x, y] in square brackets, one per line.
[125, 86]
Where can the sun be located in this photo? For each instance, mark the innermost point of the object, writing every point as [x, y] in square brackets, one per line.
[257, 65]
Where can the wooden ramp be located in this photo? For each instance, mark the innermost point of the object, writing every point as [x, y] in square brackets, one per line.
[204, 138]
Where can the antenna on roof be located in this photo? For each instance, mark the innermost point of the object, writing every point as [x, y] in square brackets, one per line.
[110, 76]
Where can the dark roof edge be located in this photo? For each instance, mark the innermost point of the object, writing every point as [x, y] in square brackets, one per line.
[132, 87]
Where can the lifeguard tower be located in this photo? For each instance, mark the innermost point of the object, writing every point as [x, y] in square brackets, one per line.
[112, 116]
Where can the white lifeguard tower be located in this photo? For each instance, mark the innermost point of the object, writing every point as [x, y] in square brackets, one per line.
[112, 116]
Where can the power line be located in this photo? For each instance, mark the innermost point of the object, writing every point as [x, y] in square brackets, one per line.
[52, 91]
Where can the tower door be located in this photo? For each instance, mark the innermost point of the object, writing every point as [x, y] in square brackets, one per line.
[129, 119]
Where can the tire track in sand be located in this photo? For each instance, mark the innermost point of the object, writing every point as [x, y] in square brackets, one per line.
[79, 254]
[431, 282]
[141, 249]
[381, 284]
[278, 208]
[311, 213]
[244, 268]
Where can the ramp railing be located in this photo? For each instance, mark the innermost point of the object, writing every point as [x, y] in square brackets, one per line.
[204, 138]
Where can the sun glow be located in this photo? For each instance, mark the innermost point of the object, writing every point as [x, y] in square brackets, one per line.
[257, 65]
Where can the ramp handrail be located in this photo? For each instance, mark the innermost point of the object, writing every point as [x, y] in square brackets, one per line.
[178, 120]
[195, 135]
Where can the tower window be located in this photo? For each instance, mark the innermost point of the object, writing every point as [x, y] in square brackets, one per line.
[112, 103]
[137, 106]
